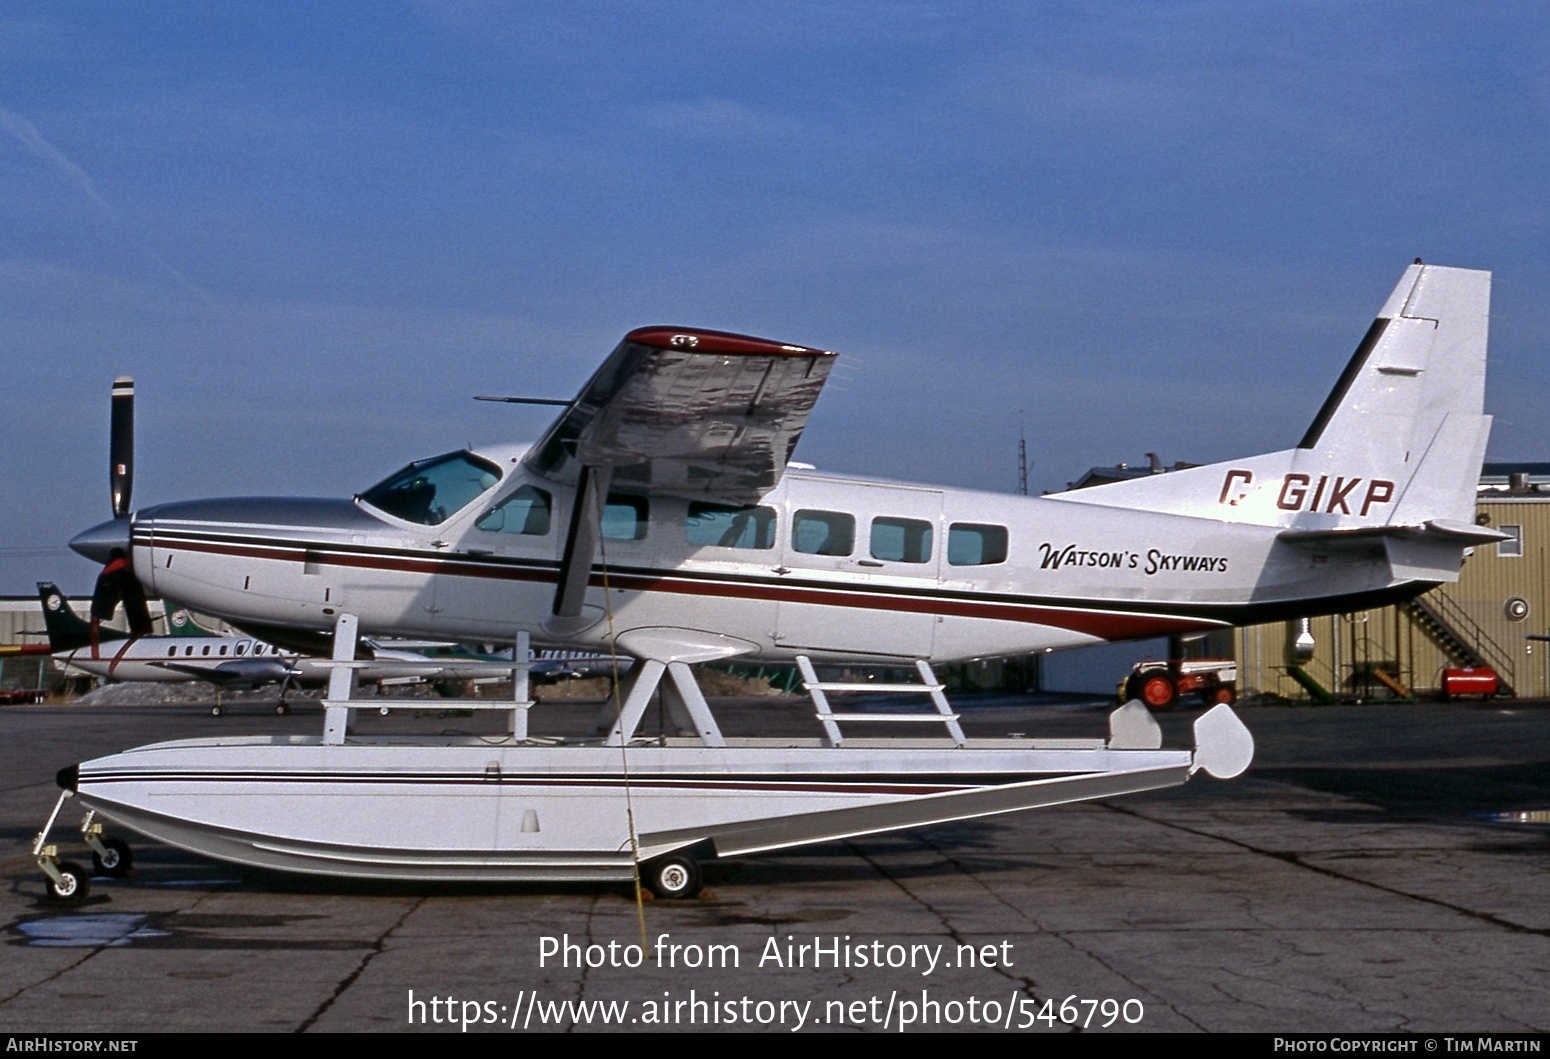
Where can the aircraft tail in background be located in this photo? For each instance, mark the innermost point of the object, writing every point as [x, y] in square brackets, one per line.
[180, 622]
[66, 629]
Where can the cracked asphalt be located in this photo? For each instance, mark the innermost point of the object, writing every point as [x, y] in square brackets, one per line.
[1361, 877]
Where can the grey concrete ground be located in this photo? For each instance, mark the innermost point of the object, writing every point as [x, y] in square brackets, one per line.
[1357, 879]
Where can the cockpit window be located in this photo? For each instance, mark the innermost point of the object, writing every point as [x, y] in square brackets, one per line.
[431, 491]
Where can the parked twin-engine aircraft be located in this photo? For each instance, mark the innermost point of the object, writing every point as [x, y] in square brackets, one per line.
[659, 511]
[190, 652]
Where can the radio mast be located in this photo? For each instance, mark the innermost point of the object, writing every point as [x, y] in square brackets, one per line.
[1022, 455]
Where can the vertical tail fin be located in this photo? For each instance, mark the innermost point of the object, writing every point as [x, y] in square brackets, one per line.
[1409, 406]
[180, 622]
[1398, 441]
[66, 630]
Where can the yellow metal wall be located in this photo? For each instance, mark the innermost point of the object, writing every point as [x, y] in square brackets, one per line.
[1487, 582]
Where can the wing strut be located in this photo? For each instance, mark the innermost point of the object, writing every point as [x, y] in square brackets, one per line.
[586, 521]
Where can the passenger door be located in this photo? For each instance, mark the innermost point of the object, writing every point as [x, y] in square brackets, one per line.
[877, 599]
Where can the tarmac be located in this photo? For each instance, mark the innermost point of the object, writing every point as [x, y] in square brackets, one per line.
[1381, 868]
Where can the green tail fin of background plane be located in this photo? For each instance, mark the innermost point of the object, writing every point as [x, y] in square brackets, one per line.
[66, 630]
[180, 622]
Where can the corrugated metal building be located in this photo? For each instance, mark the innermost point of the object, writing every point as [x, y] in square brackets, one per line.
[1501, 596]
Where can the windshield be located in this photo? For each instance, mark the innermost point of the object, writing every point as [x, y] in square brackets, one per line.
[431, 491]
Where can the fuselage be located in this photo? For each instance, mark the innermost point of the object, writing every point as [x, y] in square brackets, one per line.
[234, 661]
[171, 659]
[827, 565]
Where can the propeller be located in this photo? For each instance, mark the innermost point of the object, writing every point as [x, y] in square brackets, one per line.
[117, 582]
[121, 445]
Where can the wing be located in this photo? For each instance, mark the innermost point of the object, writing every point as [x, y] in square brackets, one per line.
[688, 413]
[236, 671]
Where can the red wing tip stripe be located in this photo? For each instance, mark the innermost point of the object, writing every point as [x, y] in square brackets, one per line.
[699, 340]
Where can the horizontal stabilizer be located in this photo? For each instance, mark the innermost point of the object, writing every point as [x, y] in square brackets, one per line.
[1410, 559]
[1454, 533]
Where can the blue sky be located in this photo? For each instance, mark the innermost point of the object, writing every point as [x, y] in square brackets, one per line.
[313, 232]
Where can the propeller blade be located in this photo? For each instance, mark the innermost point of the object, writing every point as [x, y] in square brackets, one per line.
[117, 584]
[135, 606]
[121, 445]
[106, 593]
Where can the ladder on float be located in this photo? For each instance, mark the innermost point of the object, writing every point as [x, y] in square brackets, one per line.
[929, 685]
[339, 705]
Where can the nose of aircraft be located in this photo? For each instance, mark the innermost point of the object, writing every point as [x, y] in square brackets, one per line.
[97, 543]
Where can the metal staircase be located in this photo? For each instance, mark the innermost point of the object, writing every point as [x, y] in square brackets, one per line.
[1316, 691]
[1461, 637]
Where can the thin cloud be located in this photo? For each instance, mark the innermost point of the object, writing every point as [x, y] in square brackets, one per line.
[27, 134]
[713, 118]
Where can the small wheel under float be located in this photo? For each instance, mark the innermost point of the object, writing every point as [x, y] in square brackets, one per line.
[674, 876]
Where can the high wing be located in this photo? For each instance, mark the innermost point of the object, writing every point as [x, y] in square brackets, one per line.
[688, 412]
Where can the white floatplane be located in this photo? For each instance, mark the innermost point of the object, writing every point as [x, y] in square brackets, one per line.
[660, 517]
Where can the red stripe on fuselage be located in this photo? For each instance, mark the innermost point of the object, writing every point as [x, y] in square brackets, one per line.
[1106, 625]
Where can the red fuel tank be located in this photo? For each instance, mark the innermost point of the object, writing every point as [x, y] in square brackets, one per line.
[1467, 681]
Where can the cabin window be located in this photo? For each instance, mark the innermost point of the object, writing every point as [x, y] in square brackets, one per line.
[721, 526]
[624, 518]
[205, 650]
[188, 650]
[1512, 549]
[525, 512]
[242, 648]
[823, 533]
[901, 540]
[969, 544]
[431, 491]
[172, 650]
[223, 649]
